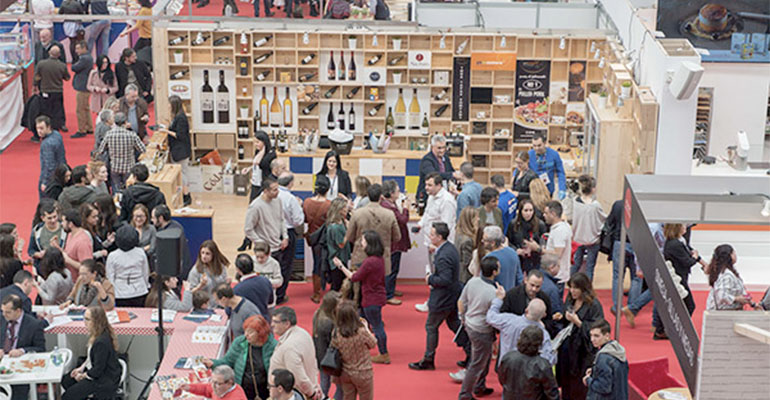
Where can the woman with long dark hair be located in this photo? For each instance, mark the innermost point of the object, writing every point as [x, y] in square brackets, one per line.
[61, 178]
[90, 217]
[727, 289]
[466, 240]
[526, 226]
[337, 247]
[9, 263]
[371, 274]
[109, 222]
[165, 286]
[315, 209]
[260, 169]
[339, 179]
[101, 83]
[576, 354]
[9, 228]
[522, 175]
[92, 288]
[54, 283]
[211, 268]
[179, 145]
[99, 375]
[323, 326]
[354, 340]
[682, 258]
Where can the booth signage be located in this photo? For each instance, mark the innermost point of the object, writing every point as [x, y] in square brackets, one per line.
[419, 59]
[488, 61]
[577, 81]
[183, 89]
[531, 111]
[461, 89]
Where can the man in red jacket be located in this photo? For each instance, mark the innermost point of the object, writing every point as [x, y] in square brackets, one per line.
[222, 386]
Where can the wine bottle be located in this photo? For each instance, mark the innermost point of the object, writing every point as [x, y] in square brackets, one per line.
[390, 123]
[414, 112]
[263, 109]
[341, 71]
[375, 59]
[396, 60]
[440, 110]
[241, 152]
[352, 67]
[332, 68]
[177, 40]
[275, 110]
[223, 100]
[341, 118]
[425, 125]
[222, 40]
[179, 74]
[288, 110]
[207, 99]
[273, 140]
[309, 108]
[199, 39]
[283, 142]
[307, 77]
[400, 110]
[243, 65]
[329, 93]
[440, 95]
[374, 110]
[257, 121]
[244, 43]
[352, 93]
[262, 75]
[263, 57]
[308, 58]
[351, 119]
[330, 122]
[263, 41]
[462, 46]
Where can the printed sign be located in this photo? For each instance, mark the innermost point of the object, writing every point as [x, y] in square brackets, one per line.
[183, 89]
[461, 89]
[532, 88]
[493, 61]
[419, 59]
[577, 81]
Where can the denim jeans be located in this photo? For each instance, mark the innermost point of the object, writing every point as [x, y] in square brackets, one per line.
[630, 265]
[435, 318]
[99, 35]
[590, 252]
[326, 384]
[118, 181]
[390, 280]
[373, 314]
[476, 374]
[635, 304]
[267, 4]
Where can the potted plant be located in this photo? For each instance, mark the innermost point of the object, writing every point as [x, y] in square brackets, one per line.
[178, 56]
[397, 77]
[625, 89]
[602, 99]
[352, 41]
[244, 111]
[396, 42]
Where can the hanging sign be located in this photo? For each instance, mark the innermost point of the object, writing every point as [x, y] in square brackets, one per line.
[488, 61]
[531, 112]
[461, 89]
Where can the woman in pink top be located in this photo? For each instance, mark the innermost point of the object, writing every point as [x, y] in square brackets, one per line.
[101, 83]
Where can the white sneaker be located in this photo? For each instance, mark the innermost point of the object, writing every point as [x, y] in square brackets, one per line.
[458, 376]
[422, 307]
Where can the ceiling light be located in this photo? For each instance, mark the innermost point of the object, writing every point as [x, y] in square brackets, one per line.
[593, 47]
[305, 38]
[442, 42]
[601, 63]
[503, 42]
[374, 40]
[597, 53]
[562, 43]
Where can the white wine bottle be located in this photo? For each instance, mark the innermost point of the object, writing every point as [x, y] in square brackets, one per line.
[288, 110]
[461, 47]
[275, 110]
[263, 109]
[374, 110]
[263, 41]
[414, 112]
[199, 39]
[263, 75]
[207, 99]
[263, 57]
[440, 95]
[390, 123]
[223, 100]
[177, 40]
[400, 110]
[425, 125]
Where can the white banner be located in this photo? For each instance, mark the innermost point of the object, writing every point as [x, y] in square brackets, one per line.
[11, 110]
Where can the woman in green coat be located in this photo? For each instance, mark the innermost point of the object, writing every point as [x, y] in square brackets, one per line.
[249, 356]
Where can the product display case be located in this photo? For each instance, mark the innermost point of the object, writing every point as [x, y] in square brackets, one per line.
[15, 54]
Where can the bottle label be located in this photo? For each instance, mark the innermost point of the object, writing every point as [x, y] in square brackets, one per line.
[414, 120]
[287, 115]
[223, 104]
[207, 102]
[400, 119]
[275, 116]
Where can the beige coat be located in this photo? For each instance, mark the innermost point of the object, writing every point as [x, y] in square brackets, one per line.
[296, 353]
[379, 219]
[96, 85]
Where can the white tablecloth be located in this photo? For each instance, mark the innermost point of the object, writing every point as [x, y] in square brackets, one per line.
[11, 110]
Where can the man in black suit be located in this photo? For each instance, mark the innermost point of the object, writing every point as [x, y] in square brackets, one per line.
[21, 288]
[517, 299]
[20, 333]
[435, 161]
[445, 289]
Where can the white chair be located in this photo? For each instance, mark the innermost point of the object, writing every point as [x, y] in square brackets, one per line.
[5, 391]
[123, 373]
[67, 357]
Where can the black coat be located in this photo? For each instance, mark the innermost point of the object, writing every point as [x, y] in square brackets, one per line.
[527, 377]
[31, 335]
[180, 145]
[576, 353]
[26, 303]
[41, 52]
[428, 165]
[681, 258]
[105, 370]
[516, 302]
[140, 193]
[520, 182]
[142, 73]
[32, 109]
[445, 287]
[343, 183]
[525, 231]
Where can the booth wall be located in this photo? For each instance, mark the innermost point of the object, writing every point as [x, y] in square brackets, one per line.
[739, 103]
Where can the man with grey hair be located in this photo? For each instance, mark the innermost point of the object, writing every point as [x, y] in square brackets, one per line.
[105, 123]
[135, 109]
[471, 190]
[122, 145]
[222, 386]
[549, 266]
[294, 218]
[511, 325]
[435, 161]
[277, 167]
[510, 268]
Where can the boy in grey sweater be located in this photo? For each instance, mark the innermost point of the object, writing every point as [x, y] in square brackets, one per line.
[264, 218]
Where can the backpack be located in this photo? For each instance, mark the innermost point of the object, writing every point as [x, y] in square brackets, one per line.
[339, 9]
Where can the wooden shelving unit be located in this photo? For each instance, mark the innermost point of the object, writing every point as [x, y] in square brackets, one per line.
[490, 142]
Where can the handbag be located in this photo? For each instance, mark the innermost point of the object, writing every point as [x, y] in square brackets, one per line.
[316, 238]
[331, 363]
[605, 240]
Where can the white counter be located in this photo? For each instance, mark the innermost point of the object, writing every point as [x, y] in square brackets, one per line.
[721, 168]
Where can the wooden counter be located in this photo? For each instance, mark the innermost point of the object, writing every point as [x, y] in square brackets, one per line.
[169, 181]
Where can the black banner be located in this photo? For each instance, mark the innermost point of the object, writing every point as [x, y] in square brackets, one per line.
[676, 320]
[533, 80]
[461, 88]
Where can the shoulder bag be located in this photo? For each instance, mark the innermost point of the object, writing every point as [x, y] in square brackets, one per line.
[331, 363]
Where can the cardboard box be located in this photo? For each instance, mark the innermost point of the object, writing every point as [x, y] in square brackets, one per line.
[242, 184]
[228, 184]
[195, 178]
[212, 178]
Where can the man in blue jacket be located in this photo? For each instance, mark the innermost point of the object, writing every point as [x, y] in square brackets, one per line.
[546, 163]
[51, 151]
[608, 378]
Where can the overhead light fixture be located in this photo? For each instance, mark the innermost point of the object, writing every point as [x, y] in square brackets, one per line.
[593, 46]
[442, 42]
[374, 40]
[305, 38]
[503, 43]
[562, 43]
[597, 53]
[601, 63]
[766, 209]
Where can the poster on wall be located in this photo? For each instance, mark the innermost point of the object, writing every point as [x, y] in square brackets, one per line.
[213, 99]
[558, 94]
[419, 59]
[461, 88]
[577, 81]
[531, 111]
[731, 31]
[489, 61]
